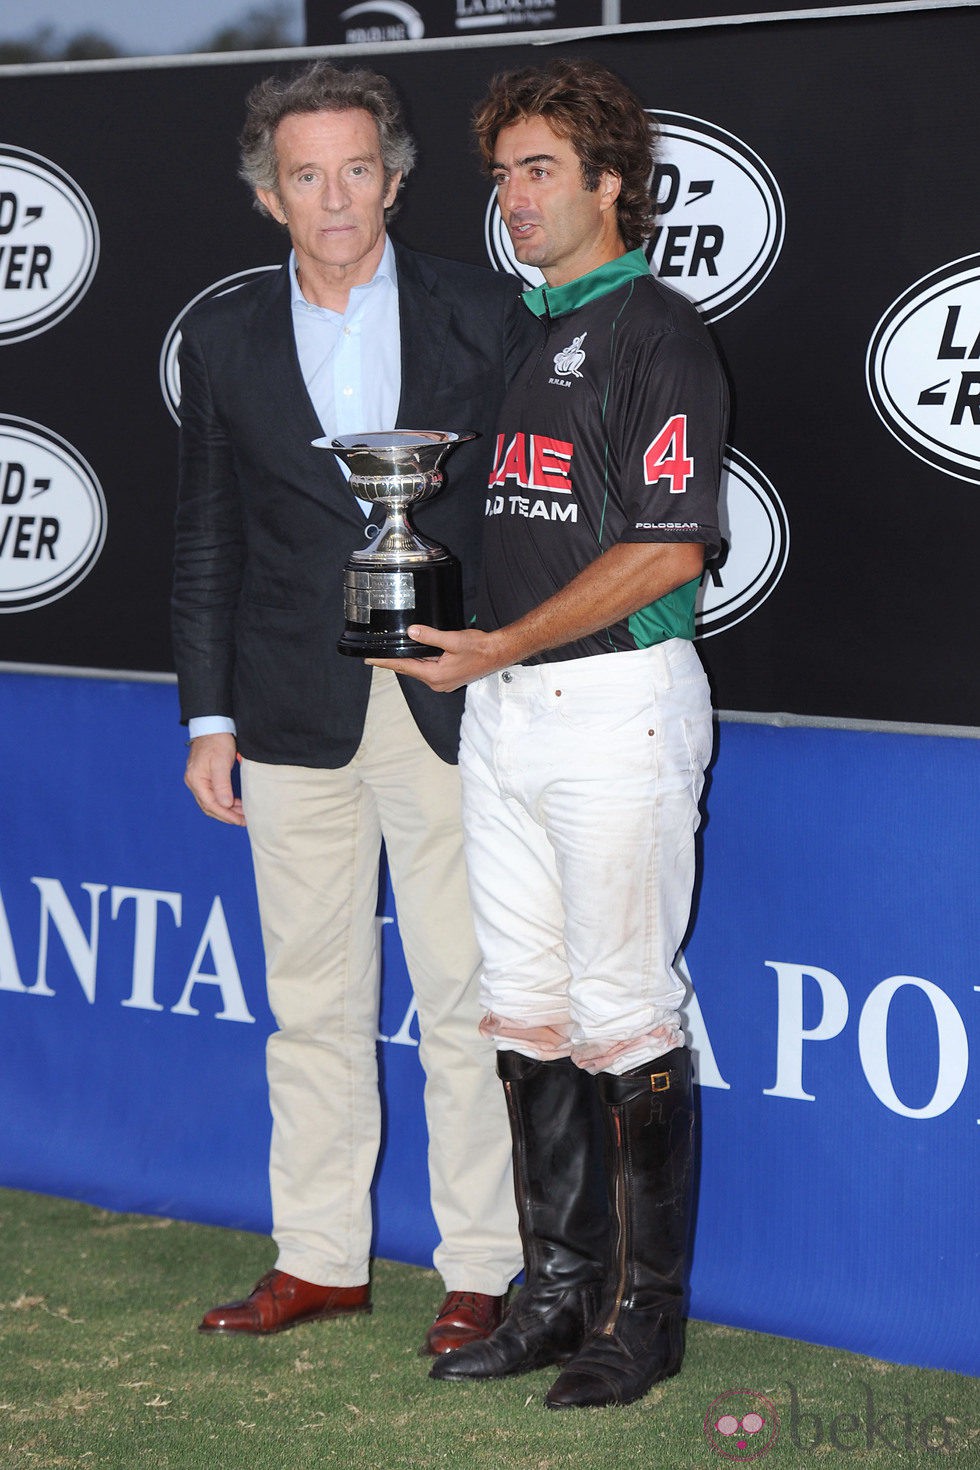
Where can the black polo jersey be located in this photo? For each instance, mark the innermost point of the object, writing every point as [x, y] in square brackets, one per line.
[612, 431]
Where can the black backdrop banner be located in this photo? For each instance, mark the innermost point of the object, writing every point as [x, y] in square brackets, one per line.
[818, 203]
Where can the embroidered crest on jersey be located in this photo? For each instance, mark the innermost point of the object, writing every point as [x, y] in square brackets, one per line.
[570, 358]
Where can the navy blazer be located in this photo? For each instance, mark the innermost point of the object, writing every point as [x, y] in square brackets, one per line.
[265, 522]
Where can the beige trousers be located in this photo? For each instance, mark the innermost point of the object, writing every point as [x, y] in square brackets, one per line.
[316, 837]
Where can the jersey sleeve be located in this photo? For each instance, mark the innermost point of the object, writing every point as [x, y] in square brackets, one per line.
[668, 431]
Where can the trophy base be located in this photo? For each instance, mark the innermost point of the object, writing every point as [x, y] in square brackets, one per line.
[375, 629]
[366, 645]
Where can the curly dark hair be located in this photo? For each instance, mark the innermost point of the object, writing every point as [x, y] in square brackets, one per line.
[597, 114]
[320, 87]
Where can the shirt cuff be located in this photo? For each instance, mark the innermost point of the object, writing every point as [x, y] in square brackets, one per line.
[210, 725]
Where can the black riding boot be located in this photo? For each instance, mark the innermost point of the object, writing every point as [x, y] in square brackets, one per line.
[563, 1216]
[637, 1338]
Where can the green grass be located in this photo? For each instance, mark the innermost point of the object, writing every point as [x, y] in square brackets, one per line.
[101, 1368]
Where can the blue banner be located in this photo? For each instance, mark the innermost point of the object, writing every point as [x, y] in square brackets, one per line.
[833, 954]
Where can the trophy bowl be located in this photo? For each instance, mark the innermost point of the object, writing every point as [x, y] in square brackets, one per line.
[402, 577]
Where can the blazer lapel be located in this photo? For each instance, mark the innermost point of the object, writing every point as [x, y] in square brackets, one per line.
[424, 323]
[288, 402]
[275, 357]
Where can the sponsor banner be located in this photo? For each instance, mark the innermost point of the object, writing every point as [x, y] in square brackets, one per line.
[924, 369]
[834, 1016]
[720, 215]
[852, 355]
[52, 516]
[49, 244]
[370, 21]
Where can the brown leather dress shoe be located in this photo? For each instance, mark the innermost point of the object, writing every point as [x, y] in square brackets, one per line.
[465, 1316]
[279, 1301]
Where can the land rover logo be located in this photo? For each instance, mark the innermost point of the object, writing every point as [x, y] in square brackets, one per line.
[923, 369]
[720, 218]
[169, 366]
[49, 244]
[755, 546]
[52, 516]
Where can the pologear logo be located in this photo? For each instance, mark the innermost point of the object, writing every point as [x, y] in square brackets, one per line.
[923, 369]
[169, 364]
[381, 20]
[720, 218]
[49, 244]
[52, 516]
[754, 548]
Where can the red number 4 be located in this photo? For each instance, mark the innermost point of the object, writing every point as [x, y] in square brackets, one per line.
[666, 458]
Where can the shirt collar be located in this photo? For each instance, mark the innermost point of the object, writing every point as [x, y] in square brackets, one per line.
[559, 300]
[386, 271]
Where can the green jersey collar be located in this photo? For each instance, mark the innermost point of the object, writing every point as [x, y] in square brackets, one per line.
[559, 300]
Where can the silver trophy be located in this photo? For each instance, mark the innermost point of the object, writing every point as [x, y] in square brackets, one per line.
[402, 577]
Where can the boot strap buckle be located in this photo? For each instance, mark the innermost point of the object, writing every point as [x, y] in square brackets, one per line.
[659, 1081]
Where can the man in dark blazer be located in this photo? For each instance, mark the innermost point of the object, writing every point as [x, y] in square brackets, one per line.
[353, 334]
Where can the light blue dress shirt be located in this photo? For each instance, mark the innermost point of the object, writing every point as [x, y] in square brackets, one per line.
[351, 365]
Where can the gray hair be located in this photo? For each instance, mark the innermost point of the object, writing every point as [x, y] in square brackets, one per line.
[320, 87]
